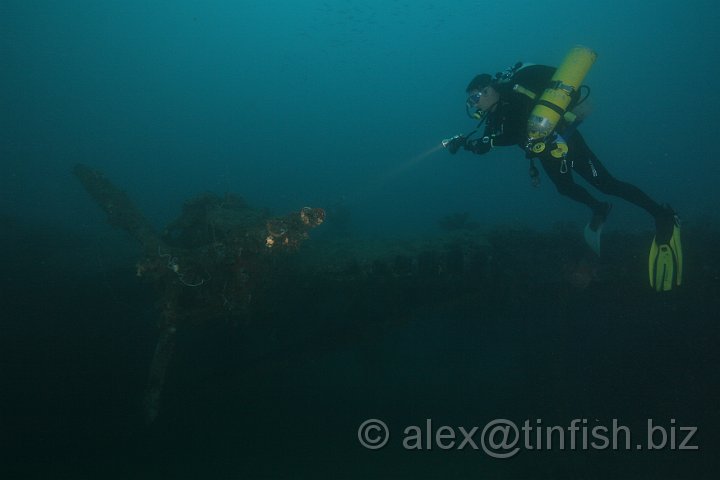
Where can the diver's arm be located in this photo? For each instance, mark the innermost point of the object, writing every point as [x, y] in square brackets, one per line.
[479, 146]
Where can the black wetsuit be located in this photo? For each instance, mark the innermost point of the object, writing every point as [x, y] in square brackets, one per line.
[507, 125]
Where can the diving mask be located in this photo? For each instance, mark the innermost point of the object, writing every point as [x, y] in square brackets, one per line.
[474, 98]
[471, 103]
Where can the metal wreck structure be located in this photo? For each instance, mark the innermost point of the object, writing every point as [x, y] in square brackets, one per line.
[205, 265]
[225, 261]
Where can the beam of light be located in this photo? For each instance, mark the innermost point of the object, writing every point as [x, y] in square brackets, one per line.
[371, 187]
[406, 166]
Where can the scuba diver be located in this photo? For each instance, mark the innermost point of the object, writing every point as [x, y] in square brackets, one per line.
[532, 106]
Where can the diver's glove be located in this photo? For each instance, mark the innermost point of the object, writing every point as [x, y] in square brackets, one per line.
[453, 144]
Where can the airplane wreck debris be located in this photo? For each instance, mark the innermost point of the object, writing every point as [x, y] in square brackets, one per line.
[205, 265]
[222, 260]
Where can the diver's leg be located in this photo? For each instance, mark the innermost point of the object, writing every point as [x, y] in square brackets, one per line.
[566, 185]
[588, 166]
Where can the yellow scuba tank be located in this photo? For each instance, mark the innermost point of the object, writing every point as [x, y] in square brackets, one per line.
[552, 105]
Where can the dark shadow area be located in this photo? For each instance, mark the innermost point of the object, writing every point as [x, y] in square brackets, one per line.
[462, 328]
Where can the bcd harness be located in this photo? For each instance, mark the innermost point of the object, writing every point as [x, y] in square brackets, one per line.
[555, 141]
[551, 107]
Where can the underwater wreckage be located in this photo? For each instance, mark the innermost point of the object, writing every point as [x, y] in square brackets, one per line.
[227, 262]
[205, 265]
